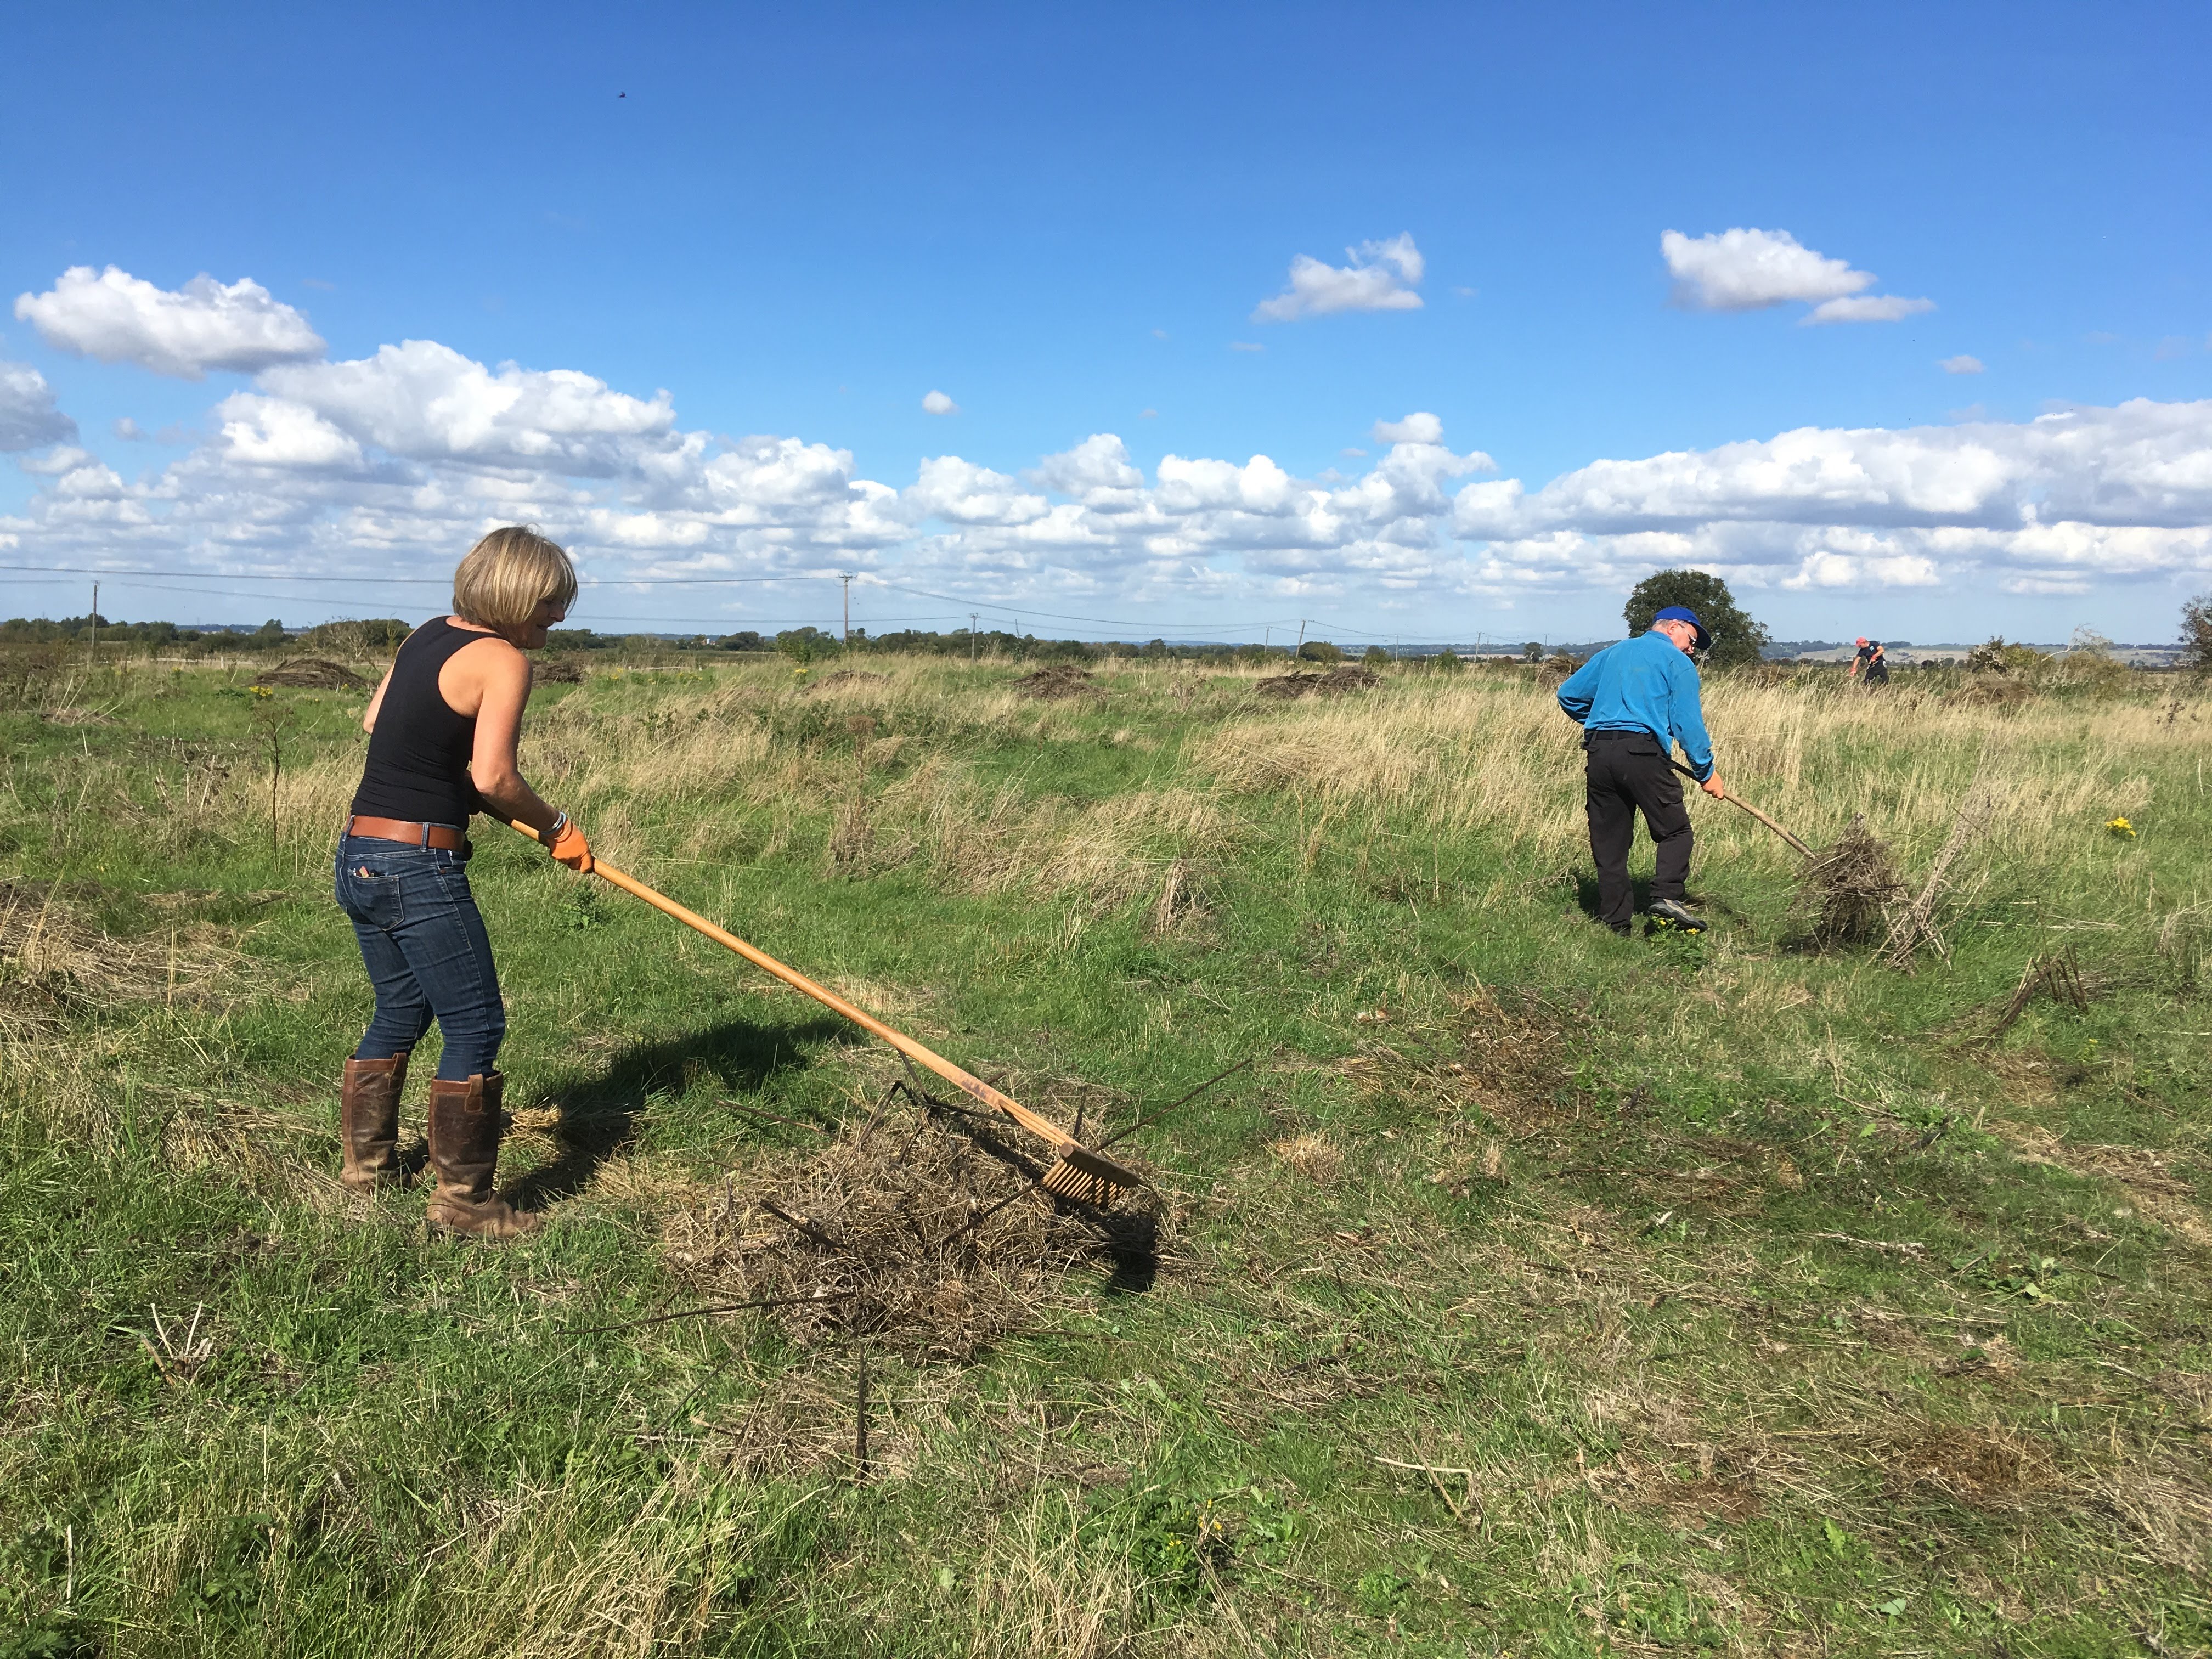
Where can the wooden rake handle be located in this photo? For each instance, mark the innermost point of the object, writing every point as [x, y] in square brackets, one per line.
[1060, 1140]
[1734, 800]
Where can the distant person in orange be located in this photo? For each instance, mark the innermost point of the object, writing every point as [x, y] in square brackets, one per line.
[1870, 667]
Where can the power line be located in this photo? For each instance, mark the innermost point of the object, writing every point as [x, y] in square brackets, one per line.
[1205, 630]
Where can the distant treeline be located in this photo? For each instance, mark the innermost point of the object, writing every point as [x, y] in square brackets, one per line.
[22, 630]
[814, 644]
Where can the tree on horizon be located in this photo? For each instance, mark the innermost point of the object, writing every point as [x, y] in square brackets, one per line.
[1738, 641]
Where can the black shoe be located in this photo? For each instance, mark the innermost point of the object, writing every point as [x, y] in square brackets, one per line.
[1677, 914]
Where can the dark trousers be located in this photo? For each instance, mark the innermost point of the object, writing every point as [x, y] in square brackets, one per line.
[1628, 772]
[429, 957]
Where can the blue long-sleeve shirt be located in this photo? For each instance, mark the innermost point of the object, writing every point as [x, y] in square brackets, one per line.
[1644, 684]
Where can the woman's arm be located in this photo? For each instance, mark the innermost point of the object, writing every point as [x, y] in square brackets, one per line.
[376, 701]
[506, 683]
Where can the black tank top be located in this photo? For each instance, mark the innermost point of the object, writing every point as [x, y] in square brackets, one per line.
[418, 755]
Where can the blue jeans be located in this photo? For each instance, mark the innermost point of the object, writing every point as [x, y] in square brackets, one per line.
[427, 953]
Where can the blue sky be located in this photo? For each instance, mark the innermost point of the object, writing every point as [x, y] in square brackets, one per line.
[798, 221]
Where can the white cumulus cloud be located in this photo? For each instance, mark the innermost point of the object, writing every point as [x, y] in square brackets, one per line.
[1749, 270]
[118, 318]
[1418, 427]
[1869, 308]
[1376, 277]
[1961, 364]
[396, 461]
[936, 402]
[29, 416]
[2116, 492]
[427, 402]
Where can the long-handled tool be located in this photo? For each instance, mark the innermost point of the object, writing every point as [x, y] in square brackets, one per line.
[1735, 800]
[1078, 1172]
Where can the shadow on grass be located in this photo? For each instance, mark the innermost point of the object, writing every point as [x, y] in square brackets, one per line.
[600, 1110]
[1586, 893]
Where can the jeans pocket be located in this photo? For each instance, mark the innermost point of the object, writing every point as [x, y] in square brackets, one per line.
[367, 890]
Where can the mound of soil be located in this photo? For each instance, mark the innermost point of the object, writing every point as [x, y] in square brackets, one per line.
[1337, 681]
[843, 677]
[558, 671]
[1062, 680]
[312, 674]
[922, 1230]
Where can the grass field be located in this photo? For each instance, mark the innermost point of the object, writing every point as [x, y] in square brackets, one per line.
[1532, 1290]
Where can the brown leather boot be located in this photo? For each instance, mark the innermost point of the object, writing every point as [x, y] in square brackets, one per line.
[465, 1127]
[368, 1121]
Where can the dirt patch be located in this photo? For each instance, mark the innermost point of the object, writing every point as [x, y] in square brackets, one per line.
[1335, 682]
[558, 671]
[844, 677]
[921, 1229]
[312, 674]
[1062, 680]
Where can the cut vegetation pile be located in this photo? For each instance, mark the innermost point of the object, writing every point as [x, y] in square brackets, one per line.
[312, 674]
[927, 1235]
[1851, 889]
[1062, 680]
[1332, 683]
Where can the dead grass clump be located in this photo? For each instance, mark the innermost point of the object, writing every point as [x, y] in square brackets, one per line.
[931, 1238]
[312, 674]
[843, 677]
[1997, 691]
[1317, 1158]
[1992, 1469]
[2152, 1186]
[1061, 679]
[54, 965]
[1851, 889]
[1337, 681]
[557, 671]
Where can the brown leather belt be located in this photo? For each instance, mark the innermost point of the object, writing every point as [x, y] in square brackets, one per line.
[443, 836]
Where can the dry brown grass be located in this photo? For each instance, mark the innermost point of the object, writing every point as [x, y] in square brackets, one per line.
[922, 1233]
[55, 964]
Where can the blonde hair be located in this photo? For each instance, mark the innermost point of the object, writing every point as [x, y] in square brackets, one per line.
[508, 575]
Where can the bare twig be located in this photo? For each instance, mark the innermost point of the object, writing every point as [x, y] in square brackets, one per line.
[1146, 1122]
[1915, 924]
[806, 1224]
[711, 1308]
[777, 1117]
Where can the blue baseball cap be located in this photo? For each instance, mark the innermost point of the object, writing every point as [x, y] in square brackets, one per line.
[1683, 613]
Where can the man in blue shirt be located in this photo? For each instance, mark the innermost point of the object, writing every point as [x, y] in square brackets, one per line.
[1633, 700]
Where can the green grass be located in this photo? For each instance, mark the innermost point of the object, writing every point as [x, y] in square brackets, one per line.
[1750, 1304]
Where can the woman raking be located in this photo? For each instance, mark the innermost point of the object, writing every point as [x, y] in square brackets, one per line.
[442, 730]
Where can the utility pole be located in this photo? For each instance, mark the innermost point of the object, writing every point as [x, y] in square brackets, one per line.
[971, 639]
[846, 638]
[96, 621]
[1302, 639]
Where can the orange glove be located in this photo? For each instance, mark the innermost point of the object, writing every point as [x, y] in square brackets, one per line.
[570, 848]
